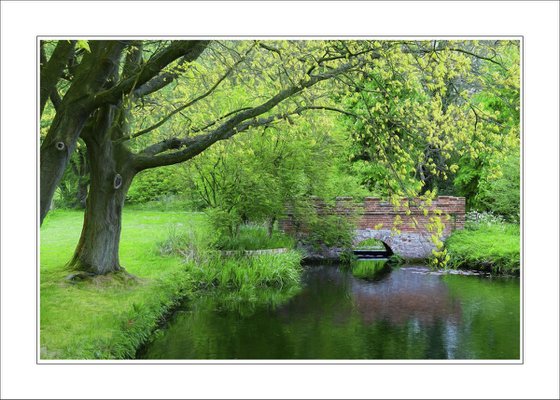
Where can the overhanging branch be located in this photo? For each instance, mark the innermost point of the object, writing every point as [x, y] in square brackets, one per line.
[51, 70]
[190, 103]
[190, 50]
[238, 123]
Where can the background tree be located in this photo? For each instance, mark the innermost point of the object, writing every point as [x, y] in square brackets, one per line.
[498, 101]
[502, 195]
[425, 110]
[254, 177]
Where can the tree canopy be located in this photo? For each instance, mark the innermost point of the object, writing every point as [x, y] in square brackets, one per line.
[401, 117]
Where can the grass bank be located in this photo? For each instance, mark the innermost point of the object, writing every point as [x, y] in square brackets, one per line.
[487, 247]
[109, 317]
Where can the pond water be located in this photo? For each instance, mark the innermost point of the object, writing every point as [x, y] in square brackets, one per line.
[405, 313]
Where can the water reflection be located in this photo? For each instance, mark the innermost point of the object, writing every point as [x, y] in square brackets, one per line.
[404, 297]
[404, 315]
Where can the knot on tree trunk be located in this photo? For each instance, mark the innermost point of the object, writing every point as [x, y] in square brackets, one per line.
[117, 181]
[60, 146]
[175, 143]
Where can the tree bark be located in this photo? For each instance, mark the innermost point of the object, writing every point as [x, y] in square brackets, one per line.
[111, 174]
[271, 222]
[91, 76]
[51, 70]
[55, 154]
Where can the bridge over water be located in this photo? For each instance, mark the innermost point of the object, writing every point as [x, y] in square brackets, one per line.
[375, 218]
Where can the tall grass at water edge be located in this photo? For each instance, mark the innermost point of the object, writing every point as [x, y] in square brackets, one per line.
[210, 268]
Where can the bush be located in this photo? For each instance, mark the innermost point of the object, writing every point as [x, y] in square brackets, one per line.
[475, 220]
[330, 231]
[160, 184]
[166, 203]
[503, 195]
[347, 257]
[192, 241]
[211, 269]
[396, 260]
[225, 224]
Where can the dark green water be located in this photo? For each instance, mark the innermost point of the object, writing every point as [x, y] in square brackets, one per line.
[407, 313]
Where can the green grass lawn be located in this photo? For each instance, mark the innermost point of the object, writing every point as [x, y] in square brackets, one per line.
[107, 318]
[494, 246]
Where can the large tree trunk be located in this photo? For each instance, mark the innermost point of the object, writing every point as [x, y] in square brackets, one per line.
[77, 105]
[111, 175]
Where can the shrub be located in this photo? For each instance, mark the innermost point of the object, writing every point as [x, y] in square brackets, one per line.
[224, 223]
[192, 241]
[347, 257]
[165, 203]
[395, 259]
[210, 269]
[503, 195]
[475, 219]
[157, 185]
[330, 231]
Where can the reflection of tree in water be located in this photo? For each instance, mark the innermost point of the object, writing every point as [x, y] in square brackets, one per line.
[325, 295]
[404, 296]
[405, 315]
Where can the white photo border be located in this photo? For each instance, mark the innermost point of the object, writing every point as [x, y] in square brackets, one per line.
[537, 23]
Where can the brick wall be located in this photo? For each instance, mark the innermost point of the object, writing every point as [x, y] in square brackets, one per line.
[375, 213]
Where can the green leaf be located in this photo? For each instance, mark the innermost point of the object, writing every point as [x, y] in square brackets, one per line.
[83, 44]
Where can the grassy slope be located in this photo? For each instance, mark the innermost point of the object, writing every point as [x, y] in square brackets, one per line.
[107, 318]
[495, 246]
